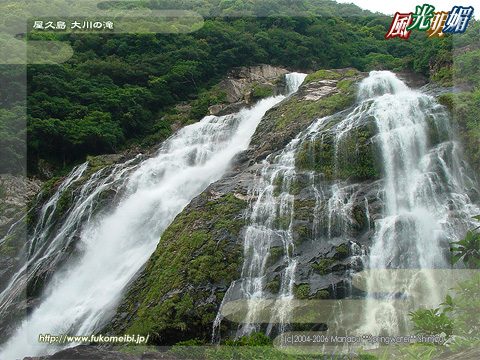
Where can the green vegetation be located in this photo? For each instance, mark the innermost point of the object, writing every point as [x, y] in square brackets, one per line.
[341, 252]
[352, 156]
[275, 254]
[64, 202]
[12, 135]
[352, 72]
[204, 101]
[195, 250]
[431, 322]
[458, 319]
[321, 294]
[274, 286]
[462, 68]
[323, 266]
[255, 346]
[304, 232]
[256, 339]
[119, 90]
[261, 92]
[378, 61]
[466, 117]
[12, 244]
[302, 291]
[322, 75]
[468, 249]
[313, 109]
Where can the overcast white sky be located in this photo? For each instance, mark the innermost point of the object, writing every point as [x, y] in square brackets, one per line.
[391, 7]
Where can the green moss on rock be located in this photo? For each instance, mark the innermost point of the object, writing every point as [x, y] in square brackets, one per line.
[351, 156]
[64, 202]
[321, 294]
[313, 109]
[341, 252]
[302, 291]
[321, 75]
[304, 232]
[322, 267]
[11, 245]
[274, 286]
[194, 251]
[276, 253]
[261, 92]
[352, 72]
[447, 100]
[280, 124]
[346, 85]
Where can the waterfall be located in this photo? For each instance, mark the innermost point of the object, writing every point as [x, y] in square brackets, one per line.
[112, 246]
[381, 152]
[427, 205]
[270, 218]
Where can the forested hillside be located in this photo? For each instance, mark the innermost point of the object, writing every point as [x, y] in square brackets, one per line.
[339, 169]
[119, 89]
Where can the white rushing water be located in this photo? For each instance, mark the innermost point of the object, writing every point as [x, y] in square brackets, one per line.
[265, 227]
[115, 246]
[425, 193]
[423, 185]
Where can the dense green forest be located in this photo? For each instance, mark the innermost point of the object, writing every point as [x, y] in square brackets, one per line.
[118, 90]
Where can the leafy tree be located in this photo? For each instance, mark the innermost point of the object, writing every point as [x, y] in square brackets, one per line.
[12, 140]
[431, 322]
[459, 318]
[137, 78]
[468, 249]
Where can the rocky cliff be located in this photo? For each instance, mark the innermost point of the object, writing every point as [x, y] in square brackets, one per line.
[16, 193]
[178, 294]
[327, 172]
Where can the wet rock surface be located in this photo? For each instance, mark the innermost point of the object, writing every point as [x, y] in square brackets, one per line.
[324, 262]
[16, 193]
[244, 85]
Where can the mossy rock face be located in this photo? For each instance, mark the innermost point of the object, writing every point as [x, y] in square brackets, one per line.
[447, 100]
[360, 216]
[274, 285]
[11, 245]
[276, 253]
[323, 93]
[352, 156]
[302, 291]
[96, 163]
[17, 194]
[303, 212]
[178, 294]
[341, 252]
[323, 266]
[352, 72]
[322, 75]
[64, 202]
[261, 92]
[304, 233]
[321, 294]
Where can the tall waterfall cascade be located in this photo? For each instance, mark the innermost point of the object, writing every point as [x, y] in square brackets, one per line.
[406, 156]
[427, 205]
[112, 246]
[364, 194]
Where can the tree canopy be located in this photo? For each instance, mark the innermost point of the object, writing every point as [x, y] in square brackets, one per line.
[117, 88]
